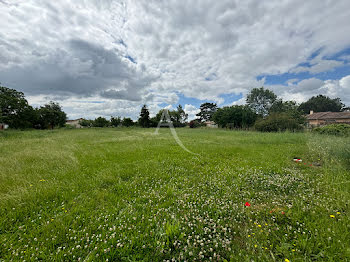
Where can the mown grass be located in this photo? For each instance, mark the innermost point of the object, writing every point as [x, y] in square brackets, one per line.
[130, 195]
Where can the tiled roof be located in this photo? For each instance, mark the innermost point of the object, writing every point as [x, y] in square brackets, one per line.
[328, 115]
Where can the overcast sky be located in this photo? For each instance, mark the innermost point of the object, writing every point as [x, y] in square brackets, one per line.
[107, 58]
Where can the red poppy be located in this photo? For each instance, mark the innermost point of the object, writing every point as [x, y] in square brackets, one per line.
[247, 204]
[282, 213]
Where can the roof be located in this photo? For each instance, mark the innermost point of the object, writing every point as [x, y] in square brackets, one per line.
[328, 115]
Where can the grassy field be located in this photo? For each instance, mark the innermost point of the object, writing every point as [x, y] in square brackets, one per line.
[130, 195]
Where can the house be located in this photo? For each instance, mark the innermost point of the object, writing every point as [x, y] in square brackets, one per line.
[211, 124]
[326, 118]
[3, 126]
[74, 123]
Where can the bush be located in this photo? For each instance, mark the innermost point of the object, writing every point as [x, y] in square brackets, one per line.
[277, 123]
[195, 123]
[100, 122]
[334, 129]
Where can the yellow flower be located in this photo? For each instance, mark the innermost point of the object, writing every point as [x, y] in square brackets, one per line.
[293, 250]
[255, 245]
[332, 216]
[30, 185]
[248, 235]
[259, 225]
[286, 260]
[265, 224]
[338, 213]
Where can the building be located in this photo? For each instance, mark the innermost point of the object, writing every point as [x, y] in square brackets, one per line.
[3, 126]
[326, 118]
[74, 123]
[211, 124]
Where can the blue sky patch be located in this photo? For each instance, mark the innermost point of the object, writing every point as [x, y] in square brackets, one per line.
[333, 74]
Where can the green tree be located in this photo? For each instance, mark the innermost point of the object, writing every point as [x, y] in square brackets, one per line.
[322, 103]
[261, 100]
[51, 115]
[178, 117]
[291, 108]
[86, 122]
[127, 122]
[15, 110]
[235, 117]
[144, 119]
[206, 111]
[101, 122]
[182, 116]
[115, 121]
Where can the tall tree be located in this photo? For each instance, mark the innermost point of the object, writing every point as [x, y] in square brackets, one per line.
[261, 100]
[51, 115]
[290, 108]
[322, 103]
[144, 119]
[182, 114]
[206, 111]
[14, 109]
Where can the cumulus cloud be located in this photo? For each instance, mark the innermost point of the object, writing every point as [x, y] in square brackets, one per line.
[307, 88]
[129, 53]
[191, 110]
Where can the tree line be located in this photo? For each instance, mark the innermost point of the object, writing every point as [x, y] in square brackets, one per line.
[17, 113]
[178, 117]
[266, 112]
[263, 111]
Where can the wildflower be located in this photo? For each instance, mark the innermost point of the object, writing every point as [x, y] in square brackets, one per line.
[247, 204]
[282, 212]
[248, 235]
[332, 216]
[286, 260]
[338, 213]
[259, 225]
[255, 245]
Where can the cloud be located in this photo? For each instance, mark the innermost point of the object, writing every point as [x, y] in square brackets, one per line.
[318, 67]
[307, 88]
[134, 52]
[191, 110]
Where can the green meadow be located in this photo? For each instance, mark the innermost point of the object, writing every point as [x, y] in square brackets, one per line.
[126, 194]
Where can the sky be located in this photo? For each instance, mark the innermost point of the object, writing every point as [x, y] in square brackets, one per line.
[108, 58]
